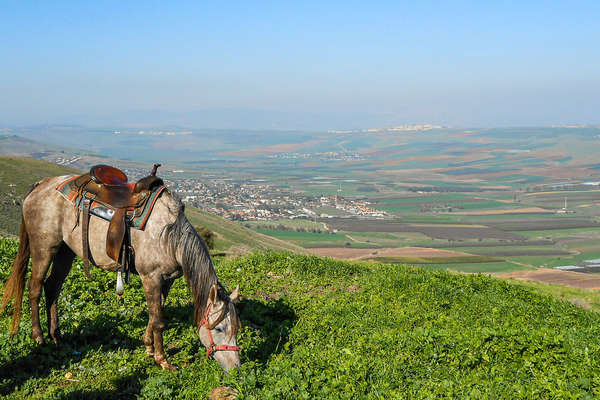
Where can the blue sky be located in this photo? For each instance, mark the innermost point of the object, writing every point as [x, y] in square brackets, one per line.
[308, 65]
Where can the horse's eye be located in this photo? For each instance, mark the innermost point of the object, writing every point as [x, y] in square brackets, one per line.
[219, 329]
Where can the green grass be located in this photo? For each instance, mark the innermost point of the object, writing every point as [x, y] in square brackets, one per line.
[316, 328]
[587, 298]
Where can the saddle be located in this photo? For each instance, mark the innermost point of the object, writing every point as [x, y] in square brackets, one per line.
[108, 186]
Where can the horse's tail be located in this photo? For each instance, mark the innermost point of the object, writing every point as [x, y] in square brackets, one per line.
[15, 285]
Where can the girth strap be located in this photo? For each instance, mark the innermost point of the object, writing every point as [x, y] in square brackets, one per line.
[84, 236]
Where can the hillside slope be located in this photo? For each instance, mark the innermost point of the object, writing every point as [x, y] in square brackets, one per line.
[315, 328]
[14, 145]
[234, 238]
[17, 174]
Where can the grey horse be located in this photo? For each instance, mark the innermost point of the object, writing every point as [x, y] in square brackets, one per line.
[167, 248]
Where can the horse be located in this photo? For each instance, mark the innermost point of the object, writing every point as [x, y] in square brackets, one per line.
[167, 248]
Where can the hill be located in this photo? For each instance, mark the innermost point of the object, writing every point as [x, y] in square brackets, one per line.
[234, 238]
[315, 328]
[17, 145]
[17, 174]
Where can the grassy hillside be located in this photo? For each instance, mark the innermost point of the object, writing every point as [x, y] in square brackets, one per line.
[234, 238]
[17, 145]
[16, 176]
[316, 328]
[18, 173]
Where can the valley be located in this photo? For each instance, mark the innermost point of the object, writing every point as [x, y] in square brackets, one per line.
[509, 198]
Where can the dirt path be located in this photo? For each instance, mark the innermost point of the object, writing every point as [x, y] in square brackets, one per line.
[356, 240]
[529, 210]
[557, 277]
[358, 253]
[522, 264]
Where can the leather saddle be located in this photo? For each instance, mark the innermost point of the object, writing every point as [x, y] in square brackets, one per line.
[108, 186]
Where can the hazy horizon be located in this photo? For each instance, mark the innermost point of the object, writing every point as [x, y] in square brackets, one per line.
[339, 65]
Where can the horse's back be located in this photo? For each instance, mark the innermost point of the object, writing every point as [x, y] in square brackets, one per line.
[52, 219]
[43, 205]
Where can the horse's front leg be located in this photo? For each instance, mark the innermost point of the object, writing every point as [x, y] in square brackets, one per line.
[153, 336]
[148, 340]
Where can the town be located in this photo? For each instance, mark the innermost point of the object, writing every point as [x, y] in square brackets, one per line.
[261, 201]
[326, 156]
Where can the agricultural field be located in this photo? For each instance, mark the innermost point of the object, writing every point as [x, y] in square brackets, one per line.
[520, 195]
[307, 239]
[380, 331]
[232, 238]
[504, 242]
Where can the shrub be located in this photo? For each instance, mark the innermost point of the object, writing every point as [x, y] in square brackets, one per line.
[207, 235]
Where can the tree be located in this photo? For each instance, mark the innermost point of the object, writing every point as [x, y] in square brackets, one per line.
[207, 236]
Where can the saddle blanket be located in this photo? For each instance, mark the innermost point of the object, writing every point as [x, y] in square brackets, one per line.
[138, 218]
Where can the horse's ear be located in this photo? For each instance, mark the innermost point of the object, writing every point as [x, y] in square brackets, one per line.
[212, 296]
[235, 295]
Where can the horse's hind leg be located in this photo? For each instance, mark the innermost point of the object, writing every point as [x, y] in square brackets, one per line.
[164, 290]
[61, 266]
[41, 258]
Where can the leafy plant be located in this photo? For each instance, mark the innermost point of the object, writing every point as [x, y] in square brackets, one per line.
[315, 328]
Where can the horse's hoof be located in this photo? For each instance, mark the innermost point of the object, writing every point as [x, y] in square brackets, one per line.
[56, 337]
[149, 351]
[223, 393]
[164, 364]
[38, 337]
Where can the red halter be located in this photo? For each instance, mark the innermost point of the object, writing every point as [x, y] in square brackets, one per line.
[212, 348]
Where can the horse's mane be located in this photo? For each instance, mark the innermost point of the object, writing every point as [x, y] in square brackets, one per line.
[183, 240]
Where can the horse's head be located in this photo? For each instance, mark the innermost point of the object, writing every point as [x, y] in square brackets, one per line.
[218, 328]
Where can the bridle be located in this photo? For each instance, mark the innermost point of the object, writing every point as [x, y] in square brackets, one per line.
[213, 348]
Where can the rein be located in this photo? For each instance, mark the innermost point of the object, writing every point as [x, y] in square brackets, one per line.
[213, 348]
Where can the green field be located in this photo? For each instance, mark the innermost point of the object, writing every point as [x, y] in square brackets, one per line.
[317, 328]
[438, 260]
[292, 224]
[310, 239]
[419, 178]
[508, 251]
[477, 268]
[233, 238]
